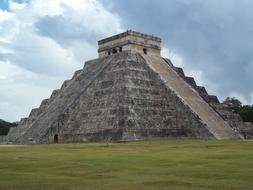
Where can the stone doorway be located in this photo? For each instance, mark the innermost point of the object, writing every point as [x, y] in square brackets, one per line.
[56, 138]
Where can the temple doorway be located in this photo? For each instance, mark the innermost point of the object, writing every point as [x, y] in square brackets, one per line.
[56, 138]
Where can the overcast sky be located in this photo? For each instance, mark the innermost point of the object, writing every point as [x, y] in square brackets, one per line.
[42, 43]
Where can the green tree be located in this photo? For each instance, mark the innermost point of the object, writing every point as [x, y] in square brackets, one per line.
[246, 112]
[235, 105]
[5, 127]
[232, 104]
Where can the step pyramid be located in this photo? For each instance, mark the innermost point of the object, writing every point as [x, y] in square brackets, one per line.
[125, 94]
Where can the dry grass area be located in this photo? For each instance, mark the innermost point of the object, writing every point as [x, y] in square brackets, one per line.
[10, 145]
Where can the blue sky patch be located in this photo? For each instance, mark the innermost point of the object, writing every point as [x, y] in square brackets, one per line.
[4, 4]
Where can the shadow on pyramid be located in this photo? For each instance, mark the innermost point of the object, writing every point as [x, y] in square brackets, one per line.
[130, 92]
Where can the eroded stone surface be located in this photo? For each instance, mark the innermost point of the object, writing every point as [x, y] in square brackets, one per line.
[120, 97]
[114, 98]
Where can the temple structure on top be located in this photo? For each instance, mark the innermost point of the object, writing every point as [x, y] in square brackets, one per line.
[130, 40]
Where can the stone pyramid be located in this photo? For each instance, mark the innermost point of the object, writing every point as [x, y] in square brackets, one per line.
[130, 92]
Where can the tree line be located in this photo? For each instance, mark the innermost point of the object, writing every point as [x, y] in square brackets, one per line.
[235, 105]
[5, 127]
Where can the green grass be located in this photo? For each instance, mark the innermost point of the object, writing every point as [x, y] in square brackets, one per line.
[156, 164]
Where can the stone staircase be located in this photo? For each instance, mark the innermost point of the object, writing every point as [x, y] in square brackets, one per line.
[214, 123]
[233, 119]
[211, 99]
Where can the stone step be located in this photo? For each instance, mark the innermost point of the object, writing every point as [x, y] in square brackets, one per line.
[34, 112]
[77, 73]
[54, 94]
[44, 104]
[109, 75]
[65, 84]
[180, 71]
[66, 99]
[37, 111]
[201, 90]
[214, 123]
[211, 99]
[23, 120]
[190, 80]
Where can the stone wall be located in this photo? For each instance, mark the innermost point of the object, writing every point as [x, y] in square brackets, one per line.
[130, 40]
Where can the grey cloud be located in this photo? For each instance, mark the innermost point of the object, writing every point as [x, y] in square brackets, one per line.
[63, 30]
[39, 54]
[212, 36]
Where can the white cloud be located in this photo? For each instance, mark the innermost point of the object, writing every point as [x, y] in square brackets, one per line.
[198, 76]
[178, 61]
[9, 71]
[19, 90]
[32, 64]
[175, 57]
[89, 14]
[43, 55]
[5, 15]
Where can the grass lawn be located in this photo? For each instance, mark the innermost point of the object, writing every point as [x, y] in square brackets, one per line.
[155, 164]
